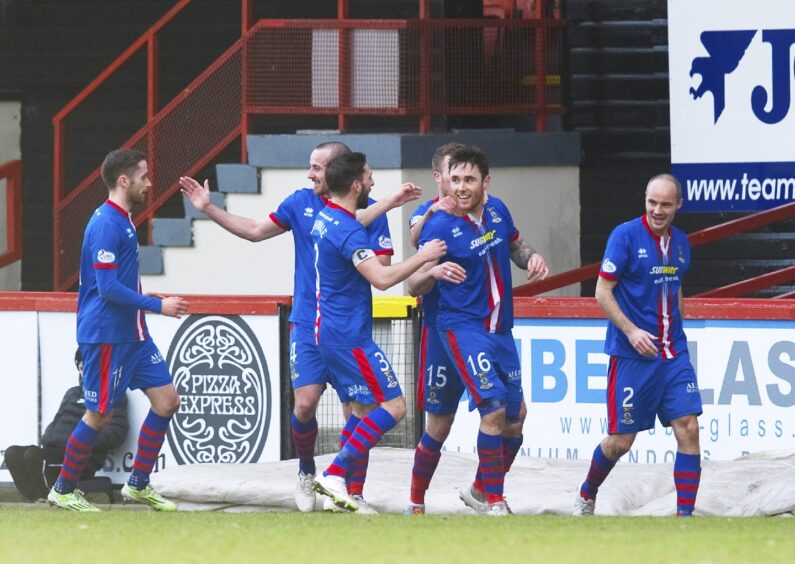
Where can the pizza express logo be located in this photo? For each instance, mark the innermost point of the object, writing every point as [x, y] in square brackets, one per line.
[221, 376]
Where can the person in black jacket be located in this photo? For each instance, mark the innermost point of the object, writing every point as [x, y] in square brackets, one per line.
[34, 469]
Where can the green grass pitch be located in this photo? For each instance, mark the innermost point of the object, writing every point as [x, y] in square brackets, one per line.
[39, 534]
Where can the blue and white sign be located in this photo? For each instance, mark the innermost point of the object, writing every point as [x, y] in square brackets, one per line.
[732, 115]
[746, 376]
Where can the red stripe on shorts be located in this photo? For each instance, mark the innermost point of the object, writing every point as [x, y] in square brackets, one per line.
[104, 378]
[422, 368]
[368, 375]
[462, 367]
[612, 417]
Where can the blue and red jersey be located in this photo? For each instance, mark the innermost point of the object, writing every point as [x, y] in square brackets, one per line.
[110, 307]
[344, 315]
[297, 213]
[484, 300]
[430, 300]
[649, 270]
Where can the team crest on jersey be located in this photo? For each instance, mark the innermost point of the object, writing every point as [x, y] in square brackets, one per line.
[385, 242]
[105, 257]
[484, 381]
[643, 253]
[222, 377]
[391, 381]
[456, 231]
[494, 217]
[608, 266]
[627, 418]
[432, 399]
[309, 212]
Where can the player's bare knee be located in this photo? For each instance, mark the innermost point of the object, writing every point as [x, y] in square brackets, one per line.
[306, 400]
[492, 416]
[96, 420]
[396, 407]
[439, 425]
[687, 433]
[616, 446]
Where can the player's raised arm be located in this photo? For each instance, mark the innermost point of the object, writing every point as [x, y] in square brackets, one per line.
[244, 227]
[407, 192]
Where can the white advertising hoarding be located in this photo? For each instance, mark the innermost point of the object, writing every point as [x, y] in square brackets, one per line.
[746, 373]
[225, 367]
[730, 76]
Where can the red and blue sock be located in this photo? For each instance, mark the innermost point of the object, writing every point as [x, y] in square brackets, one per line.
[600, 468]
[491, 467]
[78, 450]
[358, 473]
[366, 435]
[150, 440]
[304, 436]
[687, 476]
[510, 448]
[426, 459]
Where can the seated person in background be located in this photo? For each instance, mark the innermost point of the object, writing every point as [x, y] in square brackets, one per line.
[34, 469]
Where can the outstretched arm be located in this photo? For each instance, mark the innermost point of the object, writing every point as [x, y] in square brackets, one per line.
[384, 277]
[243, 227]
[407, 192]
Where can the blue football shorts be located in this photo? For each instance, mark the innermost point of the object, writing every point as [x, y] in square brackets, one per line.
[363, 374]
[110, 369]
[488, 365]
[439, 389]
[638, 390]
[307, 367]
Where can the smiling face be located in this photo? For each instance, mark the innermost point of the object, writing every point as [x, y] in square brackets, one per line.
[662, 203]
[468, 187]
[317, 170]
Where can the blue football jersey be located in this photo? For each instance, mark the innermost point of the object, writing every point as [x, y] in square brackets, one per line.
[485, 299]
[344, 315]
[430, 301]
[297, 213]
[649, 274]
[110, 307]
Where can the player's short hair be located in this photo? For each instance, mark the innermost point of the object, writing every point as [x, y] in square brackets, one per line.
[336, 148]
[470, 155]
[670, 178]
[119, 162]
[343, 170]
[444, 151]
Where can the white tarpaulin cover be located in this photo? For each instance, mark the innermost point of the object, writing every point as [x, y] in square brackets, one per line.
[758, 484]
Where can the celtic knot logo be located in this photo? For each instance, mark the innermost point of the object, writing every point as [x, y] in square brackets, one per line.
[221, 376]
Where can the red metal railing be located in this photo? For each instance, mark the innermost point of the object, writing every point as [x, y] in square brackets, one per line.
[11, 173]
[278, 67]
[708, 235]
[417, 68]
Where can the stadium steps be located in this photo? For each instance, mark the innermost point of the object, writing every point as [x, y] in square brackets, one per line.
[178, 231]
